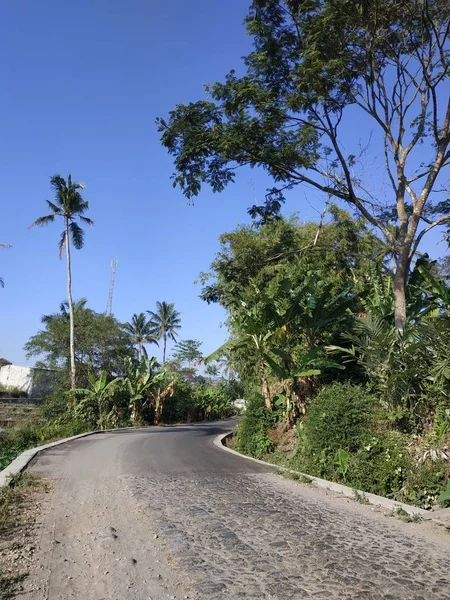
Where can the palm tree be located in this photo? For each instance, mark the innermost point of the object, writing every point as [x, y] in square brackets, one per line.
[70, 206]
[141, 332]
[78, 306]
[164, 323]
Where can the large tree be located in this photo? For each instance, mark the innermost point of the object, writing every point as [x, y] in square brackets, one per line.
[69, 206]
[141, 332]
[165, 323]
[316, 64]
[100, 343]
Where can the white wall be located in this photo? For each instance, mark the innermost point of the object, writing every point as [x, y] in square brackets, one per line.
[24, 378]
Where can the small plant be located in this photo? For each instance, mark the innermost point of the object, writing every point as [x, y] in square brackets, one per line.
[360, 497]
[444, 497]
[405, 516]
[342, 462]
[299, 477]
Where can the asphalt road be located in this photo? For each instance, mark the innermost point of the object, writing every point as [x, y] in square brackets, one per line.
[162, 513]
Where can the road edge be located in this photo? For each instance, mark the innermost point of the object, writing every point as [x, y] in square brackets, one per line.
[344, 490]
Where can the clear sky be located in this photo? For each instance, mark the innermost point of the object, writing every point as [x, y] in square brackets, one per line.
[81, 85]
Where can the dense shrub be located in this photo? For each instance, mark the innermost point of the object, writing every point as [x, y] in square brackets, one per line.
[382, 465]
[338, 419]
[252, 430]
[425, 482]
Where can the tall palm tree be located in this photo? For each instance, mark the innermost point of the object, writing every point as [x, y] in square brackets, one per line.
[140, 332]
[165, 322]
[70, 206]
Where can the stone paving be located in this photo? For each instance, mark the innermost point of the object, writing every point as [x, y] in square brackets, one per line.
[259, 536]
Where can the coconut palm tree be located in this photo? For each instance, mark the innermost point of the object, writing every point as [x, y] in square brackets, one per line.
[141, 332]
[165, 322]
[70, 206]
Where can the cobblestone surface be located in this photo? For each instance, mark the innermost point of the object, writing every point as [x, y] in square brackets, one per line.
[259, 536]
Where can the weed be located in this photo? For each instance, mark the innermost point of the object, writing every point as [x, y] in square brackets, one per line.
[405, 516]
[360, 497]
[299, 477]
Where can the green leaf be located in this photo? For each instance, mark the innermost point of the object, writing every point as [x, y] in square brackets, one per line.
[444, 497]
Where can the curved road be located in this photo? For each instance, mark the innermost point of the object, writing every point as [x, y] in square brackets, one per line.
[162, 513]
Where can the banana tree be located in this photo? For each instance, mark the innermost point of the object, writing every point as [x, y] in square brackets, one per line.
[95, 401]
[146, 385]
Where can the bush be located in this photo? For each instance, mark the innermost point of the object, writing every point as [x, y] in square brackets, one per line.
[252, 429]
[382, 465]
[339, 418]
[424, 483]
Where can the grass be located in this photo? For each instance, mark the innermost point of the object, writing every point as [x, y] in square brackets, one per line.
[13, 442]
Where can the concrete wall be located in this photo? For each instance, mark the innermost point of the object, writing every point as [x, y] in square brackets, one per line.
[27, 379]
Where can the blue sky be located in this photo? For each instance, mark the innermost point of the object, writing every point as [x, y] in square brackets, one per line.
[82, 84]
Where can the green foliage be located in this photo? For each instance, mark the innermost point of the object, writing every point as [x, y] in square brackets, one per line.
[7, 391]
[338, 419]
[382, 465]
[444, 497]
[96, 404]
[141, 332]
[197, 402]
[164, 323]
[70, 206]
[13, 442]
[100, 341]
[252, 429]
[187, 351]
[425, 482]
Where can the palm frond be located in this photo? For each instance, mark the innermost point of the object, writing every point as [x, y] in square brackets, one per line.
[42, 221]
[87, 221]
[2, 283]
[77, 235]
[62, 243]
[56, 209]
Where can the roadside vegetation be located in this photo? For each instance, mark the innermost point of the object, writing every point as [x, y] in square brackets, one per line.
[118, 384]
[340, 328]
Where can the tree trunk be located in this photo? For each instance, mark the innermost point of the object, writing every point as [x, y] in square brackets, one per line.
[400, 279]
[164, 348]
[73, 374]
[139, 350]
[265, 386]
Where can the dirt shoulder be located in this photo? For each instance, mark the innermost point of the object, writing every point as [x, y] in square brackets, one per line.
[20, 509]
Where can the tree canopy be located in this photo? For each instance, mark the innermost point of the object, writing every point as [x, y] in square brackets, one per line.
[100, 341]
[313, 65]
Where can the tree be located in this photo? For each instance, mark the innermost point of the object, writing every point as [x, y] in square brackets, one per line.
[70, 206]
[314, 66]
[100, 342]
[164, 323]
[188, 351]
[141, 332]
[212, 370]
[147, 387]
[95, 400]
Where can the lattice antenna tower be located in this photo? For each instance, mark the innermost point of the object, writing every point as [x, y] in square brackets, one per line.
[112, 281]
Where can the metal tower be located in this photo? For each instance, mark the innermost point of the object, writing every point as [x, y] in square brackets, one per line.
[112, 280]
